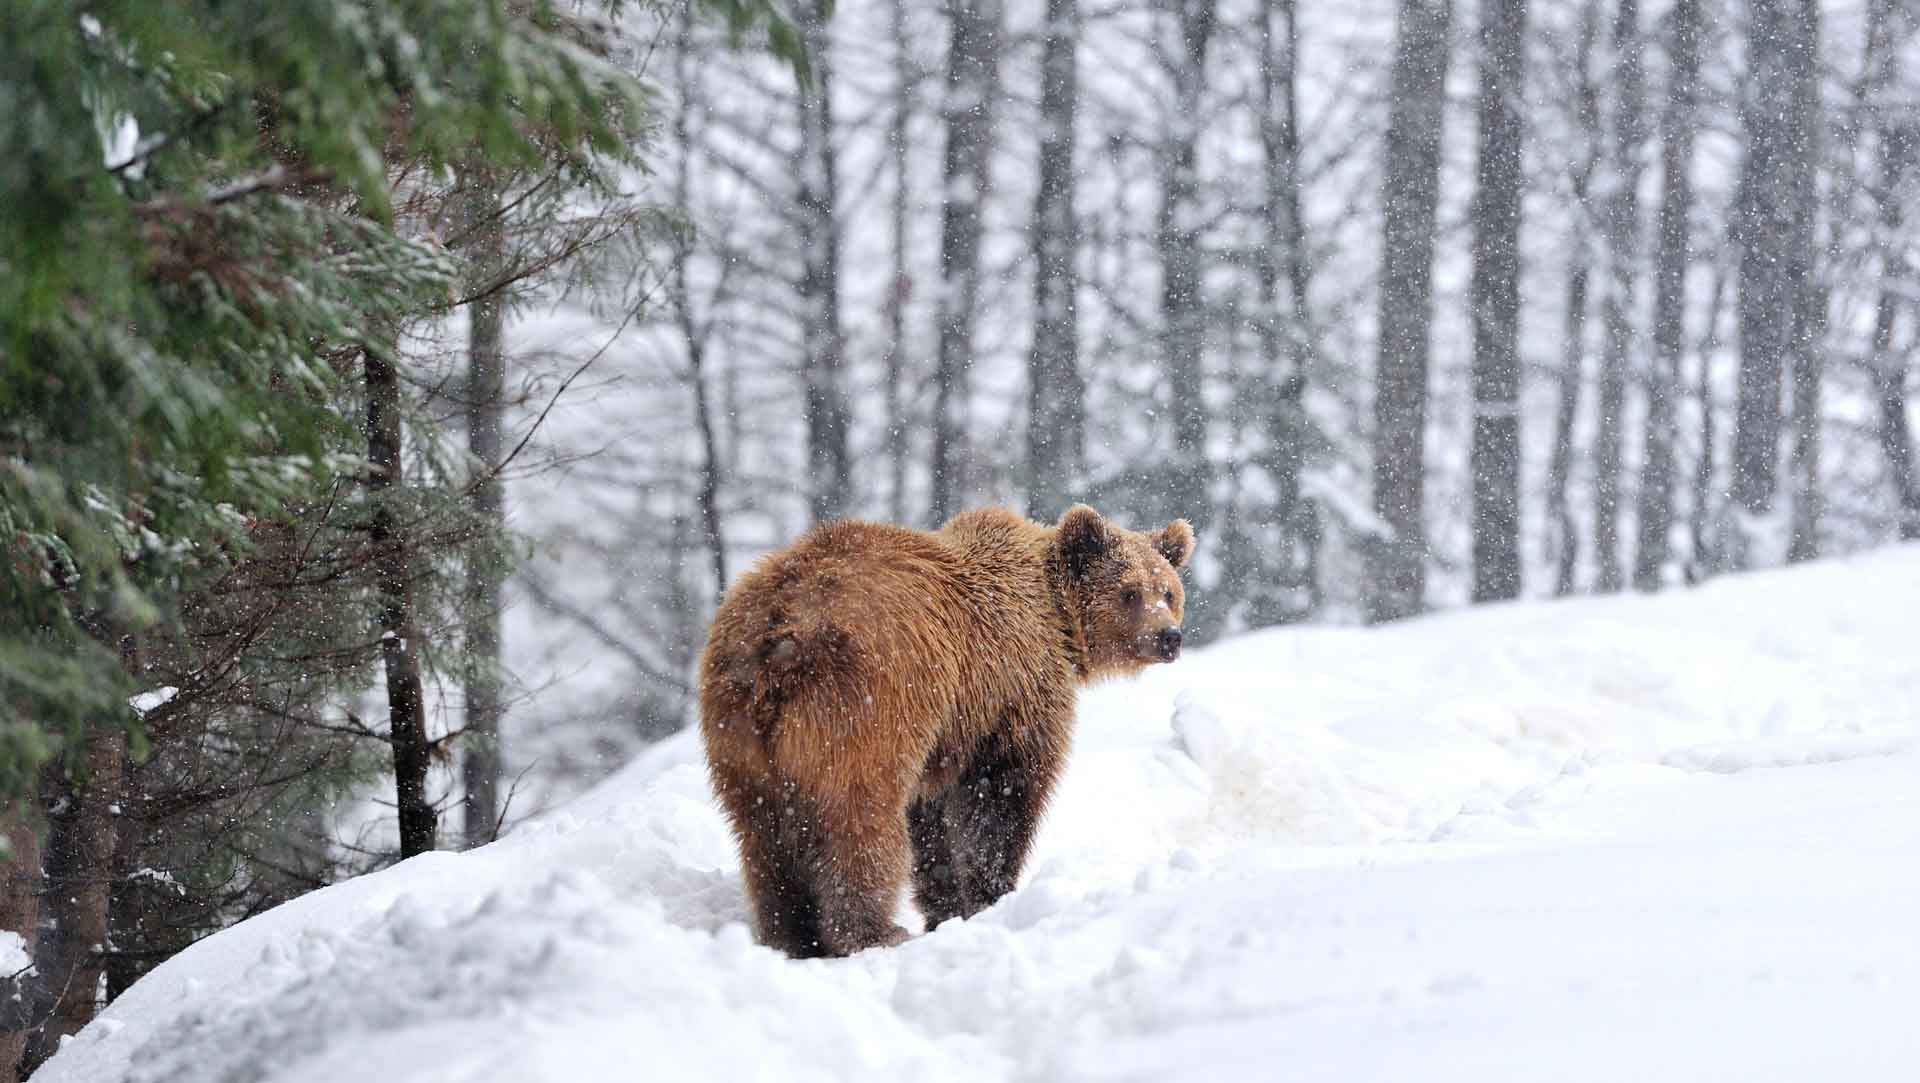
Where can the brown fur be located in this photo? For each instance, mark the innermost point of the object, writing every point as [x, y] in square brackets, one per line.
[881, 703]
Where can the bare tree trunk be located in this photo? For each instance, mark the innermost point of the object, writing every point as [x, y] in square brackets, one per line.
[966, 174]
[1285, 242]
[1177, 238]
[81, 835]
[1409, 198]
[486, 565]
[1774, 220]
[399, 639]
[1495, 451]
[20, 997]
[1809, 306]
[1671, 261]
[830, 466]
[1563, 543]
[694, 335]
[1706, 551]
[1896, 442]
[905, 76]
[1887, 28]
[1056, 402]
[1622, 227]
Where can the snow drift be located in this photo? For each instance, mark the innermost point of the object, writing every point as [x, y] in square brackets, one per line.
[1640, 837]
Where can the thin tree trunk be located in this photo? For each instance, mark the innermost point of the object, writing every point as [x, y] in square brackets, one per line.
[695, 336]
[486, 564]
[399, 638]
[1409, 198]
[1673, 257]
[1177, 239]
[1775, 230]
[1886, 28]
[1622, 226]
[965, 175]
[1563, 543]
[1285, 242]
[829, 461]
[1706, 548]
[1809, 304]
[1056, 403]
[905, 78]
[1560, 463]
[1896, 441]
[1495, 303]
[81, 836]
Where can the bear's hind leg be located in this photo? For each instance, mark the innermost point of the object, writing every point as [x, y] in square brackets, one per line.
[786, 915]
[938, 878]
[992, 814]
[862, 864]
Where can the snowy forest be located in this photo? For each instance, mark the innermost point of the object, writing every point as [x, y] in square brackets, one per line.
[390, 391]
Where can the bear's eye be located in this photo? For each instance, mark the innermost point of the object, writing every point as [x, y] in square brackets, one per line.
[1129, 596]
[1169, 597]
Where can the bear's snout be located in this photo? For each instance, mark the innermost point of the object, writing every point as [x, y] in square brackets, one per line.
[1168, 643]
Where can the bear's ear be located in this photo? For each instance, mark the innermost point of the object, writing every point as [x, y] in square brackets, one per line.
[1175, 543]
[1082, 538]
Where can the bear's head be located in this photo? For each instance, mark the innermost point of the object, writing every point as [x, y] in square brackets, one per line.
[1124, 586]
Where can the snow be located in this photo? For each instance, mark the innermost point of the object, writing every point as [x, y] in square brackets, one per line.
[1663, 837]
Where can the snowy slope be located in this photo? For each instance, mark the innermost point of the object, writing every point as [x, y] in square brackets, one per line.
[1647, 838]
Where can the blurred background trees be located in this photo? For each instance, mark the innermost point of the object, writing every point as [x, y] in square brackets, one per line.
[388, 400]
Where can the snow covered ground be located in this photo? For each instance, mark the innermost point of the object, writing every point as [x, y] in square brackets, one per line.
[1629, 838]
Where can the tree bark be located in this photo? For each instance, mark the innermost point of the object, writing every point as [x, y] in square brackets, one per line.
[1410, 198]
[829, 461]
[966, 175]
[486, 565]
[1285, 326]
[905, 76]
[81, 836]
[1563, 543]
[691, 332]
[1622, 228]
[1899, 139]
[1672, 258]
[1177, 239]
[1495, 452]
[1774, 221]
[1056, 392]
[399, 639]
[1807, 371]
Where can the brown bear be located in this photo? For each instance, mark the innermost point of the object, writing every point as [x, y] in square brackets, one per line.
[879, 703]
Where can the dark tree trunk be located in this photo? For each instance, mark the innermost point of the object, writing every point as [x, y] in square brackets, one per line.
[830, 466]
[399, 638]
[1410, 198]
[905, 78]
[1809, 306]
[1056, 402]
[1774, 222]
[486, 564]
[1495, 302]
[1672, 258]
[1887, 29]
[966, 174]
[1622, 226]
[691, 332]
[1177, 238]
[1285, 326]
[81, 835]
[1563, 542]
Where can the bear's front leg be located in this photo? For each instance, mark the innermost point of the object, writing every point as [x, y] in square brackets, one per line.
[971, 841]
